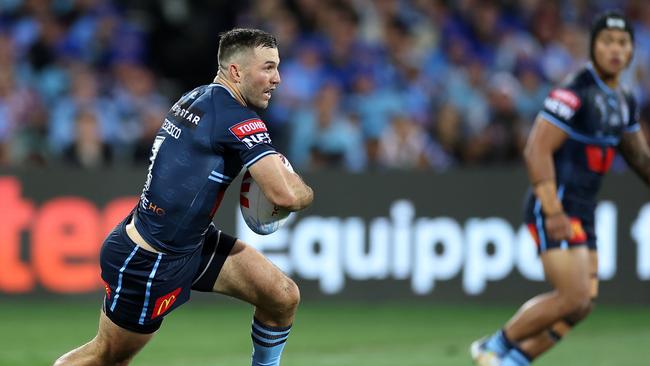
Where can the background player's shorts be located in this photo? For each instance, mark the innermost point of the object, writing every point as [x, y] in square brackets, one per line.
[582, 226]
[142, 286]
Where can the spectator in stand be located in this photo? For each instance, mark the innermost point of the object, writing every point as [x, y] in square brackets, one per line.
[87, 151]
[448, 137]
[134, 95]
[506, 132]
[324, 136]
[85, 94]
[151, 119]
[20, 112]
[404, 145]
[533, 89]
[409, 57]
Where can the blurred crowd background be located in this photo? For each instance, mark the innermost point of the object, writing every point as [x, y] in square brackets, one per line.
[366, 84]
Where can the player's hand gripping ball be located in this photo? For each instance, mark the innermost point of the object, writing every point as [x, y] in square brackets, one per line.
[261, 216]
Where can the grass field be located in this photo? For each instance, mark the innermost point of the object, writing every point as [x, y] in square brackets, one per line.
[217, 333]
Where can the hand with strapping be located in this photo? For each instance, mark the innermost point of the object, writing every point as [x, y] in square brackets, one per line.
[558, 226]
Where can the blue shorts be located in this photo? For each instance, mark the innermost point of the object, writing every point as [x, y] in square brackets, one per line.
[142, 286]
[582, 225]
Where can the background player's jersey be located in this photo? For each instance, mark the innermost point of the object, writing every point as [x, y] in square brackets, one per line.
[595, 117]
[203, 143]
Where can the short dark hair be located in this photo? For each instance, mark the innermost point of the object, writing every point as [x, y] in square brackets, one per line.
[234, 40]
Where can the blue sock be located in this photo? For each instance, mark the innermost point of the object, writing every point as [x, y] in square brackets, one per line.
[268, 343]
[498, 344]
[516, 357]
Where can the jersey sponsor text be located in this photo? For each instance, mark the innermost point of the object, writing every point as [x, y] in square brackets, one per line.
[187, 115]
[562, 102]
[251, 132]
[171, 129]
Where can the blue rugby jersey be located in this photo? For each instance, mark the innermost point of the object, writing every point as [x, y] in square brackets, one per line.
[595, 117]
[205, 140]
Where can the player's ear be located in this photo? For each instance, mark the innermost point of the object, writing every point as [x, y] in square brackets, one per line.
[235, 71]
[631, 57]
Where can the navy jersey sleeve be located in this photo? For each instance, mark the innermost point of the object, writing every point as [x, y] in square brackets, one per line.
[633, 114]
[561, 107]
[245, 134]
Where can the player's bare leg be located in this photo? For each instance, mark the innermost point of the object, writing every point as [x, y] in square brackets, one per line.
[569, 273]
[112, 345]
[249, 276]
[536, 345]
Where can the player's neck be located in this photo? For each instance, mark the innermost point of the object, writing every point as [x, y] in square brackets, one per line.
[611, 80]
[232, 88]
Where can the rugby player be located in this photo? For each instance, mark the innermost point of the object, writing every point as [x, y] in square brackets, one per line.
[168, 245]
[569, 150]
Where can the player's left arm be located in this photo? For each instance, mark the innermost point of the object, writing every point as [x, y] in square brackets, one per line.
[635, 151]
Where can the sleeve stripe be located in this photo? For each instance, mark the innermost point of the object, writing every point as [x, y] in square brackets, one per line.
[634, 128]
[258, 157]
[556, 122]
[607, 140]
[219, 175]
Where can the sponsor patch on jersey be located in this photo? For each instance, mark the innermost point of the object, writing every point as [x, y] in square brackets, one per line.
[563, 103]
[567, 97]
[188, 116]
[173, 130]
[251, 132]
[599, 159]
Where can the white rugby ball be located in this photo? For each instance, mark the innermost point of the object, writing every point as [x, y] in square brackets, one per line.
[261, 216]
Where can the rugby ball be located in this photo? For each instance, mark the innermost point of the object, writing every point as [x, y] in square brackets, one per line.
[261, 216]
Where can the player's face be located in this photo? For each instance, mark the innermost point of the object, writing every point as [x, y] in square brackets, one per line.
[612, 51]
[261, 76]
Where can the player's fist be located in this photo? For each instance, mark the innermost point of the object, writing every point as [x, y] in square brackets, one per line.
[558, 227]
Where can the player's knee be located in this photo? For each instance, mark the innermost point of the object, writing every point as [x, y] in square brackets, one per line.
[291, 297]
[577, 302]
[581, 313]
[111, 357]
[113, 354]
[95, 352]
[286, 297]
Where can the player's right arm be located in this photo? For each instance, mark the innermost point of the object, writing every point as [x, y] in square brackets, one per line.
[544, 140]
[636, 152]
[281, 186]
[633, 145]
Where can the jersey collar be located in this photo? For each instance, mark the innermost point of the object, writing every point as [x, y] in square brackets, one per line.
[599, 81]
[219, 80]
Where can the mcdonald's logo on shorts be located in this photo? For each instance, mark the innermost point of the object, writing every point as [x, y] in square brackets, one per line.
[107, 289]
[578, 234]
[164, 302]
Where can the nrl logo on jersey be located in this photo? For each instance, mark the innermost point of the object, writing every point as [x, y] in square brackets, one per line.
[562, 102]
[251, 132]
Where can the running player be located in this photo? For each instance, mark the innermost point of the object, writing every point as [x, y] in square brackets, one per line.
[168, 244]
[571, 147]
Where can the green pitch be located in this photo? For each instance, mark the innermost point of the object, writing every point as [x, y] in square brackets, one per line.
[217, 333]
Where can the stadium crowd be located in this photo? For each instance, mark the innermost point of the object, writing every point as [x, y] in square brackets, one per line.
[366, 84]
